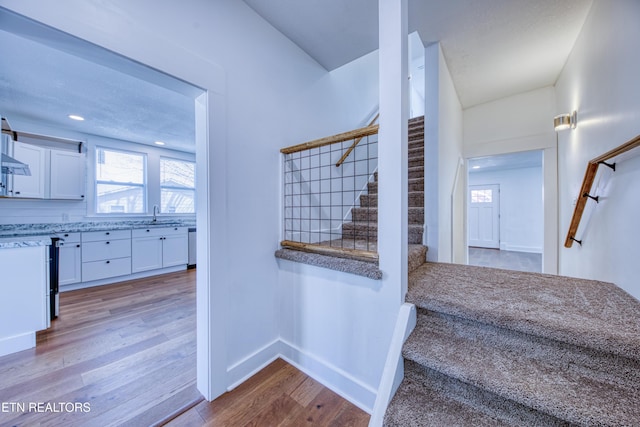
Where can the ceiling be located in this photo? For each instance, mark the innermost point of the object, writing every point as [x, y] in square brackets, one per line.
[45, 77]
[524, 159]
[493, 48]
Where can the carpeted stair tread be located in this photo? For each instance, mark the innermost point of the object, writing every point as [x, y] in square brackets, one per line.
[553, 388]
[415, 199]
[586, 313]
[415, 405]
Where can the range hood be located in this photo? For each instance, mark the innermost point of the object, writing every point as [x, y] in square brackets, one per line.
[13, 166]
[8, 164]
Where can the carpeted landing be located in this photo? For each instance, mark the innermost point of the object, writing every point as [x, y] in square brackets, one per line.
[497, 347]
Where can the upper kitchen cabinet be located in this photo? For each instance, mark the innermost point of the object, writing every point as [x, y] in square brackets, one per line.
[67, 175]
[30, 186]
[57, 169]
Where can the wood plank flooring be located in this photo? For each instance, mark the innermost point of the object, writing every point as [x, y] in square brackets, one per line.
[124, 355]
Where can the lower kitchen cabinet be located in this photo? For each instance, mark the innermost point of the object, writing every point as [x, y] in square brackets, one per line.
[106, 254]
[70, 259]
[153, 248]
[25, 296]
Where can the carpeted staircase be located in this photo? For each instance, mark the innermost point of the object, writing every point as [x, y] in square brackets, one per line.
[364, 223]
[495, 347]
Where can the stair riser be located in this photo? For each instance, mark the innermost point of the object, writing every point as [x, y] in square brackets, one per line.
[416, 173]
[359, 232]
[416, 215]
[415, 184]
[481, 400]
[416, 200]
[416, 152]
[417, 256]
[417, 161]
[416, 144]
[599, 365]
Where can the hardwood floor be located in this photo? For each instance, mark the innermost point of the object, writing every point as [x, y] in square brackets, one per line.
[124, 355]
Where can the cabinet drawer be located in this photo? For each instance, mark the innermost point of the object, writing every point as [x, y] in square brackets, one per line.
[69, 237]
[94, 236]
[96, 270]
[158, 231]
[104, 250]
[148, 232]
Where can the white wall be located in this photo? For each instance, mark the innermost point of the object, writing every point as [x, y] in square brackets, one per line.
[522, 122]
[521, 212]
[264, 94]
[443, 149]
[16, 211]
[600, 81]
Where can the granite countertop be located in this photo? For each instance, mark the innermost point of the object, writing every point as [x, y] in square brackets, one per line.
[30, 232]
[23, 242]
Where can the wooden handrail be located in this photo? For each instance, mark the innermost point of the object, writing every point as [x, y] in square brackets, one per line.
[357, 133]
[587, 183]
[350, 149]
[330, 250]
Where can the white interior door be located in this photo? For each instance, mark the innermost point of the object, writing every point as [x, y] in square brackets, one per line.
[484, 216]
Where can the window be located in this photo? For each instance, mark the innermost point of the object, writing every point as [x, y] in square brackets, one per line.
[177, 186]
[481, 196]
[120, 182]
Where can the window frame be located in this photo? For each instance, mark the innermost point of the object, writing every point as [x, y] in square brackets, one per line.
[144, 185]
[169, 187]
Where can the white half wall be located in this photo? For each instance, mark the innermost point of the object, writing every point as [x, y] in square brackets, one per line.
[521, 211]
[443, 151]
[600, 82]
[522, 122]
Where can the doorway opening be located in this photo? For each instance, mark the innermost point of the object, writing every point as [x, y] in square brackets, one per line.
[505, 211]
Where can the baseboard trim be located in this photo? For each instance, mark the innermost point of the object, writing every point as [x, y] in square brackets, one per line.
[17, 343]
[244, 369]
[110, 280]
[516, 248]
[337, 380]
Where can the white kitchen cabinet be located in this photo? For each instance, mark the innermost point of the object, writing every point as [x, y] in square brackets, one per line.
[175, 247]
[154, 248]
[70, 259]
[55, 174]
[105, 254]
[25, 291]
[67, 175]
[32, 187]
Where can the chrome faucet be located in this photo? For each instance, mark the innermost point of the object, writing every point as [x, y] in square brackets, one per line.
[156, 210]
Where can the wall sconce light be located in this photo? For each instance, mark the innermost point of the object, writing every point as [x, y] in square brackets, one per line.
[565, 121]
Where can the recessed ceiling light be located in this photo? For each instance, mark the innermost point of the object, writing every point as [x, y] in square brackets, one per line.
[159, 143]
[76, 117]
[475, 167]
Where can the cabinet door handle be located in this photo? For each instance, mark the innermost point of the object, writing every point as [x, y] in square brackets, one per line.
[107, 233]
[82, 197]
[66, 235]
[17, 192]
[77, 246]
[148, 231]
[108, 262]
[108, 243]
[176, 229]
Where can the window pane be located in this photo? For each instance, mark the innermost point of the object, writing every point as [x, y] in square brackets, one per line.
[177, 201]
[119, 167]
[177, 173]
[119, 198]
[481, 196]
